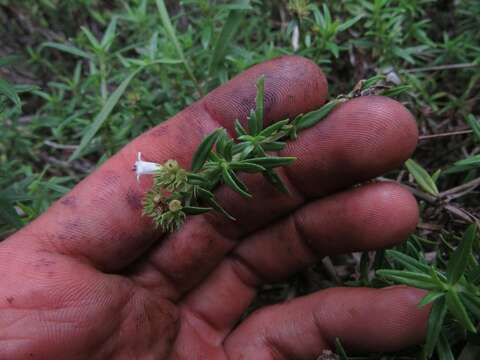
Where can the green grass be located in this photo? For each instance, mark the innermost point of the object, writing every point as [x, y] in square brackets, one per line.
[79, 79]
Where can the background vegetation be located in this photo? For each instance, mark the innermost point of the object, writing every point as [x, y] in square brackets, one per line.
[80, 78]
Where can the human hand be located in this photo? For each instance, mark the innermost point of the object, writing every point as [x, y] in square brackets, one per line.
[92, 279]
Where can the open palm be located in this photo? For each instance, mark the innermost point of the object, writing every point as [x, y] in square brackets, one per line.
[92, 279]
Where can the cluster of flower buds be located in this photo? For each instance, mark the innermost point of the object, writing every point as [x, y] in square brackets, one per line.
[163, 203]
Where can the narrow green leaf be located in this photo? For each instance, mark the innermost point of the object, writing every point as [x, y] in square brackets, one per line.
[153, 46]
[274, 146]
[430, 297]
[457, 309]
[204, 149]
[410, 278]
[109, 34]
[246, 166]
[349, 23]
[472, 303]
[10, 59]
[436, 175]
[170, 30]
[67, 49]
[224, 146]
[422, 177]
[259, 103]
[236, 5]
[225, 39]
[252, 123]
[209, 198]
[195, 179]
[372, 81]
[340, 350]
[103, 115]
[204, 193]
[444, 351]
[270, 130]
[272, 161]
[458, 262]
[239, 129]
[231, 180]
[9, 91]
[470, 163]
[91, 38]
[196, 210]
[475, 125]
[408, 262]
[396, 90]
[274, 179]
[312, 118]
[435, 323]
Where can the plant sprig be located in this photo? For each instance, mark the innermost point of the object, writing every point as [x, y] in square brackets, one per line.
[454, 292]
[220, 158]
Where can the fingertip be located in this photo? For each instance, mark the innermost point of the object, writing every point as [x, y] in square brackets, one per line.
[293, 85]
[398, 210]
[410, 319]
[386, 319]
[391, 120]
[361, 139]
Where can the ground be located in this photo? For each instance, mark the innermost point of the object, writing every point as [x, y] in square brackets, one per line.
[63, 64]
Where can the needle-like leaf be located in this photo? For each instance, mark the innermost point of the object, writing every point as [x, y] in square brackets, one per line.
[459, 260]
[203, 150]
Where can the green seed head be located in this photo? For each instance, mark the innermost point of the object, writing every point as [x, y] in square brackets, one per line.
[171, 164]
[175, 205]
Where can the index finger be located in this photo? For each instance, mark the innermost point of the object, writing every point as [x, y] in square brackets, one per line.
[100, 219]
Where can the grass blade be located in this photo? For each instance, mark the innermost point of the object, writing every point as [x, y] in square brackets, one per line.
[444, 350]
[475, 125]
[69, 49]
[9, 91]
[230, 28]
[435, 322]
[459, 260]
[103, 115]
[470, 163]
[457, 309]
[167, 24]
[93, 40]
[422, 177]
[410, 278]
[408, 262]
[109, 34]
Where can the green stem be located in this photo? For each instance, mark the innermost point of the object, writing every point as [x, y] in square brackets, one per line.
[167, 24]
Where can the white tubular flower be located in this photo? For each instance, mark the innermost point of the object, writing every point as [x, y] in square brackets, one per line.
[145, 167]
[295, 38]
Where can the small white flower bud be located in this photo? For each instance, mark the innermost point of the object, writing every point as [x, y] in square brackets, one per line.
[145, 167]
